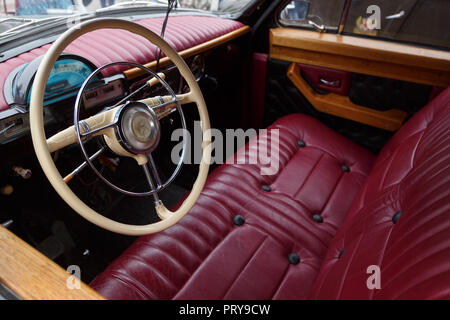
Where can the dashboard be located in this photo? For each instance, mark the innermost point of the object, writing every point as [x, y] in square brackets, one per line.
[65, 80]
[17, 69]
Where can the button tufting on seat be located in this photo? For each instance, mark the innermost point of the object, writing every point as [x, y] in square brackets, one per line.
[411, 171]
[199, 258]
[341, 253]
[317, 218]
[301, 143]
[266, 188]
[202, 258]
[397, 216]
[345, 168]
[238, 220]
[294, 259]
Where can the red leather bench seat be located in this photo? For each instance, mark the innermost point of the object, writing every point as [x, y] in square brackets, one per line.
[331, 204]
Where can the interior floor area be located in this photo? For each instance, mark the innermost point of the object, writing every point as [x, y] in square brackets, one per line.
[62, 235]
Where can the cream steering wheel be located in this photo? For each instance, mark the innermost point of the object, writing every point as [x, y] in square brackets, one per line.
[102, 124]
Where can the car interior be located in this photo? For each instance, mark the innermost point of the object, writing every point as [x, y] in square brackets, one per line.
[110, 167]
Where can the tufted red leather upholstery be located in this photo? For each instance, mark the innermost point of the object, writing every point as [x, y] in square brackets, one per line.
[206, 256]
[105, 46]
[412, 175]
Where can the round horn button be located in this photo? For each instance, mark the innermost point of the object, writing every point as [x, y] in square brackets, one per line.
[141, 127]
[139, 131]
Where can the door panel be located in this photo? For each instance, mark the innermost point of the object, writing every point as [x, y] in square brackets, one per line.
[371, 82]
[283, 98]
[383, 93]
[366, 56]
[341, 106]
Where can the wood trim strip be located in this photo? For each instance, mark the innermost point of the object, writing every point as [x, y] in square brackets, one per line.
[341, 106]
[135, 72]
[361, 55]
[31, 275]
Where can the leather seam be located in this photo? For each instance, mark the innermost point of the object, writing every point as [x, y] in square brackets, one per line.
[422, 259]
[381, 257]
[409, 231]
[331, 194]
[398, 297]
[280, 282]
[151, 267]
[202, 261]
[246, 265]
[296, 222]
[137, 286]
[285, 272]
[171, 257]
[309, 175]
[341, 285]
[184, 245]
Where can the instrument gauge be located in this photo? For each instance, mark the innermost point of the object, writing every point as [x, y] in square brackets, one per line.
[197, 66]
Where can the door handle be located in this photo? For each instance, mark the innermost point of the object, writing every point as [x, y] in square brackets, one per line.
[318, 27]
[331, 83]
[397, 15]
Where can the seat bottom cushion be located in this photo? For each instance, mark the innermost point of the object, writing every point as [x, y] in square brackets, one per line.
[295, 210]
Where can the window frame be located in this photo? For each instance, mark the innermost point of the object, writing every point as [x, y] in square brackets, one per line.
[286, 24]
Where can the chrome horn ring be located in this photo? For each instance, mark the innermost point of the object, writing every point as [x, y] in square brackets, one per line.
[123, 136]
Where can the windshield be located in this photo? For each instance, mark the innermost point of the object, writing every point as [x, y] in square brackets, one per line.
[226, 6]
[21, 16]
[17, 11]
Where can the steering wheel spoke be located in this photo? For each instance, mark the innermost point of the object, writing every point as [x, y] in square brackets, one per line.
[152, 165]
[97, 131]
[97, 124]
[152, 184]
[78, 169]
[166, 105]
[161, 210]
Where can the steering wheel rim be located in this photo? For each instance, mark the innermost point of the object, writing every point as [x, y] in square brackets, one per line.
[41, 144]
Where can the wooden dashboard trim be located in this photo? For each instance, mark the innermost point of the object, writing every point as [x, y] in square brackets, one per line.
[337, 105]
[31, 275]
[361, 55]
[135, 72]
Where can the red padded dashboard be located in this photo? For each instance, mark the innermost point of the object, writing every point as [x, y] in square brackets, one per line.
[109, 45]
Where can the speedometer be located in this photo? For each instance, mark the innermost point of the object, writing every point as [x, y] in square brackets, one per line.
[66, 77]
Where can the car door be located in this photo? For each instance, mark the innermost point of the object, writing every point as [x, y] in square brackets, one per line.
[361, 67]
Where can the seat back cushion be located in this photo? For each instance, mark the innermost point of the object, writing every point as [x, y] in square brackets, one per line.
[400, 221]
